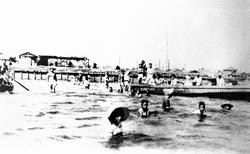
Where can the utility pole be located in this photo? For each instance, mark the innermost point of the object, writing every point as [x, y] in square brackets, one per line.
[159, 64]
[167, 63]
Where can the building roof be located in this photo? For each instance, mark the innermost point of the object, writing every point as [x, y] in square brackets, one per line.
[175, 70]
[27, 54]
[194, 71]
[206, 72]
[230, 69]
[4, 57]
[60, 57]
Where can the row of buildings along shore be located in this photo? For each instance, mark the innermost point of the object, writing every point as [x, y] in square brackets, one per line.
[30, 62]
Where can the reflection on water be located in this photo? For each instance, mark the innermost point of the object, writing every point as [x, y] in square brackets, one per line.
[73, 114]
[133, 139]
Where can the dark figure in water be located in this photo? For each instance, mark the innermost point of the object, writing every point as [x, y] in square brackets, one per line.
[107, 80]
[144, 112]
[86, 82]
[166, 105]
[120, 90]
[116, 117]
[110, 89]
[226, 107]
[202, 108]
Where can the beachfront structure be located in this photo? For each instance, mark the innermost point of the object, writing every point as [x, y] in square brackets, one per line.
[248, 76]
[177, 72]
[230, 71]
[27, 59]
[4, 57]
[206, 72]
[59, 61]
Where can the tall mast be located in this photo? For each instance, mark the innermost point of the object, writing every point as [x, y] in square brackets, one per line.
[167, 55]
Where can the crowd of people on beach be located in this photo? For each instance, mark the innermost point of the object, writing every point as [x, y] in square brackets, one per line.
[6, 77]
[3, 73]
[146, 75]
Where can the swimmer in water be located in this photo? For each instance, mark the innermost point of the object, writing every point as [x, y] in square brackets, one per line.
[138, 93]
[226, 107]
[110, 89]
[200, 111]
[202, 108]
[144, 112]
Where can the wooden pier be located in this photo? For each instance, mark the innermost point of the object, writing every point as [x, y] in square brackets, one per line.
[67, 76]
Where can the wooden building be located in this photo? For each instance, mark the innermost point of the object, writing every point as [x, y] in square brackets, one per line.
[59, 61]
[27, 59]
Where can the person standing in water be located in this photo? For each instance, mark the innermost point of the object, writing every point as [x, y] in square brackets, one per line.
[121, 81]
[127, 81]
[107, 79]
[86, 82]
[52, 79]
[166, 105]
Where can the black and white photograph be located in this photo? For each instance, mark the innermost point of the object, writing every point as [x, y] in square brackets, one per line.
[125, 76]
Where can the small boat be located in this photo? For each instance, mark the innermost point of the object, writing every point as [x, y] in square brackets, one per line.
[7, 87]
[225, 92]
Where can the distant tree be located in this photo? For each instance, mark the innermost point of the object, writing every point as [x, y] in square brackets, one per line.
[94, 65]
[13, 59]
[70, 64]
[117, 67]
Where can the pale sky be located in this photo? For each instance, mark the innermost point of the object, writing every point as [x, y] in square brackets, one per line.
[201, 33]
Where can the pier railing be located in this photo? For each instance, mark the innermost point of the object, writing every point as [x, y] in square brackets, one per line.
[38, 73]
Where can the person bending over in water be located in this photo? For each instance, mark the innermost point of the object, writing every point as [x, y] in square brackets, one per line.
[116, 117]
[144, 112]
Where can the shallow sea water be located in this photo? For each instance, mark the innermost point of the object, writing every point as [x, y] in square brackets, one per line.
[75, 119]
